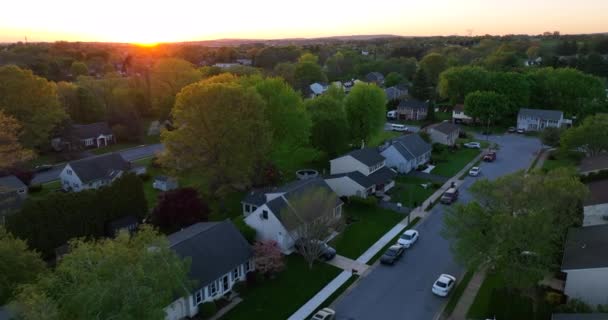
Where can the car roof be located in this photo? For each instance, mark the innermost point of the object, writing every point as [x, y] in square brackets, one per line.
[445, 278]
[475, 168]
[410, 231]
[395, 247]
[451, 190]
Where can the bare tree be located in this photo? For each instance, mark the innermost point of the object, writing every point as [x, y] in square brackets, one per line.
[311, 216]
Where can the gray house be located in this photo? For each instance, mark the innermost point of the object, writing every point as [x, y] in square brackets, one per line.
[95, 172]
[539, 119]
[405, 153]
[220, 257]
[412, 109]
[395, 92]
[444, 133]
[375, 77]
[93, 135]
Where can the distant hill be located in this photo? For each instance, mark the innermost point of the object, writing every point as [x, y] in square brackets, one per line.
[287, 41]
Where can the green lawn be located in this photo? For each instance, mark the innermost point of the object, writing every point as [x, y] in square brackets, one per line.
[455, 162]
[408, 191]
[114, 147]
[441, 116]
[382, 136]
[480, 309]
[557, 159]
[369, 223]
[280, 297]
[47, 188]
[455, 296]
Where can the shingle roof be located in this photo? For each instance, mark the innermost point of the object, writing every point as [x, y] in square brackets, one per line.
[540, 113]
[598, 162]
[356, 176]
[445, 127]
[374, 76]
[459, 108]
[586, 248]
[99, 167]
[93, 130]
[367, 156]
[413, 104]
[579, 316]
[394, 92]
[383, 175]
[411, 146]
[215, 248]
[10, 183]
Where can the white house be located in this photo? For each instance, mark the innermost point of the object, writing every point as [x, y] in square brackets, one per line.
[458, 115]
[444, 133]
[538, 119]
[351, 184]
[406, 153]
[585, 262]
[164, 183]
[95, 172]
[367, 161]
[317, 89]
[220, 257]
[270, 213]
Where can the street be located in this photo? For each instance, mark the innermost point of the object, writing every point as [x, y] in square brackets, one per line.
[129, 155]
[403, 291]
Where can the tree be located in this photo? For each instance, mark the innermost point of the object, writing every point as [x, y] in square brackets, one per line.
[456, 82]
[80, 103]
[365, 108]
[433, 64]
[313, 215]
[519, 233]
[78, 69]
[11, 151]
[533, 52]
[179, 208]
[550, 136]
[504, 58]
[307, 71]
[329, 132]
[19, 265]
[589, 137]
[487, 106]
[286, 71]
[167, 77]
[393, 79]
[129, 277]
[268, 257]
[33, 102]
[221, 134]
[422, 89]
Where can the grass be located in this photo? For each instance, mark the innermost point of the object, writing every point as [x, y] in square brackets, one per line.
[409, 192]
[280, 297]
[382, 136]
[113, 148]
[369, 223]
[442, 116]
[47, 188]
[480, 309]
[557, 159]
[455, 162]
[393, 241]
[458, 291]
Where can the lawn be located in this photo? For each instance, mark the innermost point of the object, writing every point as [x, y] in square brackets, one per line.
[480, 309]
[47, 188]
[368, 224]
[114, 147]
[409, 192]
[557, 159]
[382, 136]
[280, 297]
[455, 162]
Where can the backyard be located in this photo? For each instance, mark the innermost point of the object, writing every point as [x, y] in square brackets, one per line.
[276, 298]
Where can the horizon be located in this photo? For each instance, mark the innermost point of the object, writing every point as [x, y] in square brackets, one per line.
[190, 21]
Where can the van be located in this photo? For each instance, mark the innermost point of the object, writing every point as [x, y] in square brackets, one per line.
[450, 196]
[392, 114]
[398, 127]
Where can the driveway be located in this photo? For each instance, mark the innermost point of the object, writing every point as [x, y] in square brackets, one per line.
[403, 291]
[129, 155]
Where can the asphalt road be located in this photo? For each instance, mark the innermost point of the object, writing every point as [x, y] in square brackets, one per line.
[129, 155]
[403, 291]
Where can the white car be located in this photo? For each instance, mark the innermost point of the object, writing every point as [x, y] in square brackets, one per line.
[324, 314]
[475, 171]
[408, 238]
[443, 285]
[473, 145]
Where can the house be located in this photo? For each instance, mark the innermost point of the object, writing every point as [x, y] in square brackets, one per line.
[95, 172]
[94, 135]
[270, 212]
[586, 264]
[595, 210]
[164, 183]
[412, 109]
[395, 92]
[539, 119]
[220, 257]
[458, 115]
[375, 77]
[12, 195]
[317, 89]
[406, 153]
[226, 65]
[533, 62]
[444, 133]
[369, 163]
[593, 164]
[12, 184]
[244, 62]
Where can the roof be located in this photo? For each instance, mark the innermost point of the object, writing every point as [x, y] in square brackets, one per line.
[214, 248]
[394, 92]
[586, 248]
[374, 76]
[318, 88]
[99, 167]
[383, 175]
[10, 183]
[541, 113]
[10, 201]
[367, 156]
[413, 104]
[93, 130]
[411, 146]
[579, 316]
[598, 162]
[356, 176]
[598, 192]
[459, 108]
[445, 127]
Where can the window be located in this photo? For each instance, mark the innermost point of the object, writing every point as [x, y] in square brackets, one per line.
[247, 208]
[69, 172]
[265, 214]
[198, 297]
[247, 266]
[213, 288]
[236, 273]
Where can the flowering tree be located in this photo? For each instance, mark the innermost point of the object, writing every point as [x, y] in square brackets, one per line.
[268, 257]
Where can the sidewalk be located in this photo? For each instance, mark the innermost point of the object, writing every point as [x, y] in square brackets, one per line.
[468, 296]
[307, 309]
[347, 264]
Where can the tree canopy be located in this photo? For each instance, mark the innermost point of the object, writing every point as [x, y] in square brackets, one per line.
[330, 131]
[365, 107]
[487, 106]
[167, 78]
[11, 151]
[590, 136]
[179, 208]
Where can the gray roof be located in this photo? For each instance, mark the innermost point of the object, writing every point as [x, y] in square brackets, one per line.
[586, 248]
[374, 76]
[445, 127]
[383, 175]
[356, 176]
[99, 167]
[597, 162]
[541, 113]
[394, 92]
[367, 156]
[579, 316]
[92, 130]
[411, 146]
[10, 183]
[413, 104]
[215, 249]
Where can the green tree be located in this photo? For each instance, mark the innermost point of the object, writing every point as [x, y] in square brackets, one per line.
[365, 108]
[393, 79]
[486, 106]
[33, 102]
[422, 89]
[78, 69]
[225, 123]
[286, 71]
[504, 58]
[167, 77]
[11, 151]
[129, 277]
[550, 136]
[514, 86]
[589, 137]
[433, 65]
[19, 265]
[330, 132]
[307, 71]
[456, 82]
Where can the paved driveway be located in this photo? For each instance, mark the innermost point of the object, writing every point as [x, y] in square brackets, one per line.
[403, 291]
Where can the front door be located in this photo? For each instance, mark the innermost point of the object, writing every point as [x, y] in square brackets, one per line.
[225, 284]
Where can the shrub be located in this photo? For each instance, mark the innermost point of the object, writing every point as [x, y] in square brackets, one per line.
[144, 177]
[247, 231]
[240, 287]
[35, 188]
[369, 201]
[252, 278]
[207, 309]
[575, 306]
[436, 185]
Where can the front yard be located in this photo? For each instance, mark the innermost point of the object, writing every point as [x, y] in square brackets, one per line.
[559, 159]
[280, 297]
[367, 225]
[410, 192]
[454, 161]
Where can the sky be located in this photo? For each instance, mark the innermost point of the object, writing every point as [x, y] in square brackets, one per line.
[153, 21]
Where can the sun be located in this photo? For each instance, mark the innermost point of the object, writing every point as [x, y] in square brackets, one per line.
[146, 44]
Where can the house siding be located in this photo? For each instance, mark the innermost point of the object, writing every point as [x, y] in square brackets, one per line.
[440, 137]
[395, 160]
[588, 285]
[270, 229]
[347, 164]
[532, 123]
[344, 186]
[69, 180]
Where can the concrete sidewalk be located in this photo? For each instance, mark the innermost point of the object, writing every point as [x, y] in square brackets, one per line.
[307, 309]
[468, 296]
[347, 264]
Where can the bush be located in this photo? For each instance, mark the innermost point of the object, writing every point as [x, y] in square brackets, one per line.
[436, 185]
[247, 231]
[252, 278]
[207, 309]
[240, 287]
[35, 188]
[575, 306]
[369, 201]
[144, 177]
[438, 147]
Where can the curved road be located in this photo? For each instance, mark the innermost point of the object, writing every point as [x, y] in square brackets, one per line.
[403, 291]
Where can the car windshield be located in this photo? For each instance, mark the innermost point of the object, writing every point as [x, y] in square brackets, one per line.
[391, 252]
[441, 284]
[406, 236]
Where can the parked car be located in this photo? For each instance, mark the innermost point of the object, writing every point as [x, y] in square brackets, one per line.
[521, 130]
[443, 285]
[472, 145]
[43, 167]
[327, 252]
[398, 127]
[408, 238]
[392, 254]
[324, 314]
[490, 156]
[450, 196]
[475, 171]
[391, 114]
[512, 130]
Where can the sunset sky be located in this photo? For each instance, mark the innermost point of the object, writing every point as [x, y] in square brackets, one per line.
[184, 20]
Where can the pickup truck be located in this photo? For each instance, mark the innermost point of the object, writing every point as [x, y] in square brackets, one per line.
[490, 156]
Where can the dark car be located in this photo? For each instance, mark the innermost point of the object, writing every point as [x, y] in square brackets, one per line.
[450, 196]
[512, 130]
[327, 252]
[490, 156]
[392, 254]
